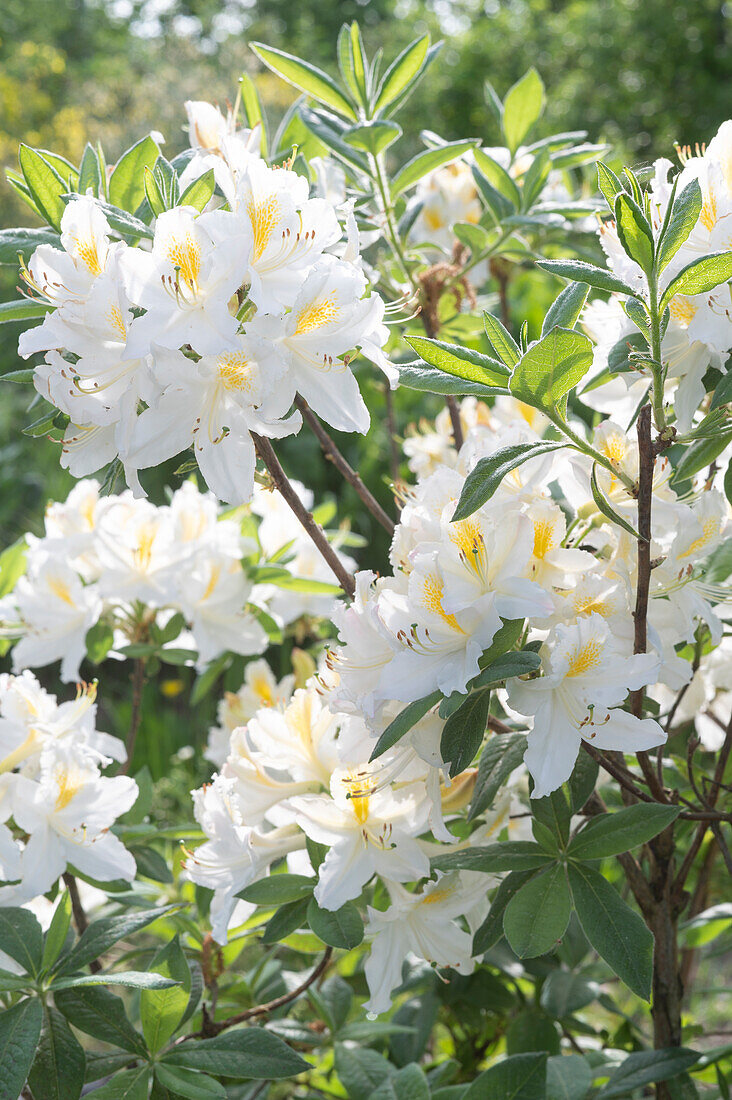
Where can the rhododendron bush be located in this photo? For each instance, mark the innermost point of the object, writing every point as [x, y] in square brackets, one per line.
[458, 824]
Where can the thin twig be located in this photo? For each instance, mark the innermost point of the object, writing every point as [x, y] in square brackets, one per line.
[138, 685]
[213, 1027]
[394, 455]
[623, 776]
[81, 920]
[281, 482]
[722, 845]
[333, 455]
[457, 427]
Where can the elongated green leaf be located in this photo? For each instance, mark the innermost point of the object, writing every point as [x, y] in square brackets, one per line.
[634, 231]
[537, 916]
[189, 1083]
[522, 107]
[505, 666]
[322, 125]
[684, 215]
[58, 1068]
[553, 812]
[25, 242]
[404, 722]
[12, 567]
[58, 930]
[200, 191]
[308, 78]
[551, 368]
[253, 110]
[522, 1077]
[501, 756]
[161, 1010]
[20, 1030]
[101, 1014]
[127, 182]
[646, 1067]
[700, 276]
[408, 1083]
[565, 309]
[133, 979]
[341, 928]
[608, 183]
[568, 1077]
[701, 454]
[426, 162]
[488, 473]
[498, 177]
[416, 376]
[131, 1084]
[242, 1054]
[46, 186]
[512, 855]
[126, 224]
[491, 930]
[22, 310]
[463, 732]
[90, 173]
[611, 834]
[361, 1070]
[278, 889]
[21, 937]
[373, 137]
[12, 983]
[564, 993]
[352, 62]
[460, 362]
[102, 934]
[582, 272]
[505, 346]
[615, 931]
[288, 918]
[401, 72]
[605, 507]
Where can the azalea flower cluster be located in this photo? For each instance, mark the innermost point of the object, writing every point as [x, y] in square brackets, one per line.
[176, 574]
[206, 333]
[538, 551]
[56, 806]
[699, 332]
[295, 769]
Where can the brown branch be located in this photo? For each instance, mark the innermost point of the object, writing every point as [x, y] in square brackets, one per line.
[722, 845]
[622, 775]
[281, 482]
[138, 684]
[213, 1027]
[81, 920]
[394, 454]
[457, 427]
[333, 455]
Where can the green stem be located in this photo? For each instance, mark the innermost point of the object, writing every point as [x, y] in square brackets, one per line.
[659, 416]
[588, 449]
[377, 163]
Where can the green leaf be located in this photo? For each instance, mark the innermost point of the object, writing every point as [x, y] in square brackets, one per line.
[287, 919]
[101, 1014]
[491, 930]
[605, 507]
[488, 473]
[522, 1077]
[127, 182]
[609, 184]
[564, 993]
[401, 72]
[463, 732]
[531, 1030]
[511, 855]
[12, 568]
[90, 173]
[582, 272]
[684, 216]
[189, 1083]
[582, 781]
[460, 362]
[551, 368]
[342, 928]
[361, 1071]
[503, 342]
[99, 640]
[501, 756]
[25, 242]
[634, 231]
[699, 276]
[125, 224]
[134, 979]
[249, 1053]
[21, 938]
[565, 309]
[301, 74]
[568, 1077]
[46, 186]
[323, 126]
[505, 666]
[57, 931]
[553, 813]
[20, 1030]
[23, 310]
[278, 889]
[612, 834]
[426, 162]
[646, 1067]
[131, 1084]
[102, 934]
[373, 137]
[404, 721]
[161, 1010]
[408, 1083]
[498, 177]
[59, 1065]
[12, 983]
[537, 916]
[416, 376]
[200, 191]
[352, 62]
[522, 108]
[615, 931]
[700, 455]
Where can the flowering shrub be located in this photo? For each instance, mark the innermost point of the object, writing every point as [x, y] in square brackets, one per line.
[440, 778]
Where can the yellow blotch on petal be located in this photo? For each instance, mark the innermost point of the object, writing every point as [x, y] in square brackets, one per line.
[69, 784]
[185, 254]
[433, 592]
[263, 216]
[586, 658]
[236, 372]
[320, 312]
